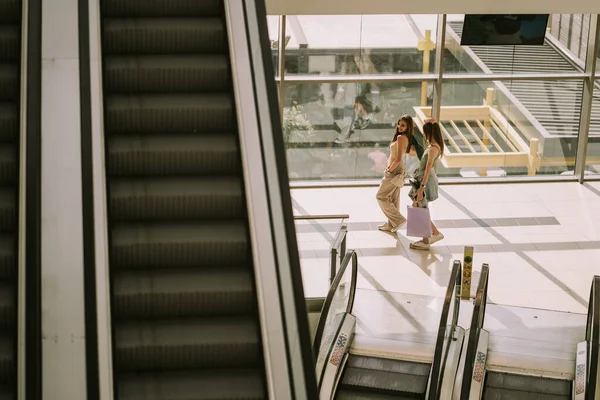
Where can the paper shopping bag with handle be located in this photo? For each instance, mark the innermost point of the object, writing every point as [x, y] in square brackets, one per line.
[419, 222]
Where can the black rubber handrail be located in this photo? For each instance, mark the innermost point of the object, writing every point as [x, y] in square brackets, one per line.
[477, 320]
[440, 356]
[349, 259]
[592, 337]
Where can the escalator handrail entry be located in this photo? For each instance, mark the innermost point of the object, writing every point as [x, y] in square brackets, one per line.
[477, 320]
[440, 356]
[349, 259]
[592, 337]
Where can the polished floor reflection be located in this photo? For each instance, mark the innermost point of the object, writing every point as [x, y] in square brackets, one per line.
[541, 240]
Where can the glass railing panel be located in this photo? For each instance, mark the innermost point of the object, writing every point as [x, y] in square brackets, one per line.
[322, 244]
[339, 301]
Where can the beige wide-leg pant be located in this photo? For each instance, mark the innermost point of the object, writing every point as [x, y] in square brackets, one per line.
[388, 197]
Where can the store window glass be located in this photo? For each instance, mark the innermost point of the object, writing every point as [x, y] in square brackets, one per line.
[593, 148]
[510, 128]
[563, 49]
[341, 131]
[360, 44]
[273, 26]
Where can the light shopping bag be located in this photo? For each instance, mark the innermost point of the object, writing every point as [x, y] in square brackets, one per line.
[418, 222]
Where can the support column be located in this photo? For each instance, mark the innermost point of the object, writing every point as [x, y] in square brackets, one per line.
[439, 65]
[281, 63]
[586, 102]
[63, 323]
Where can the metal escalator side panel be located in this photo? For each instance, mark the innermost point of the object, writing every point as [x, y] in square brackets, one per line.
[336, 358]
[452, 362]
[28, 365]
[103, 315]
[450, 368]
[284, 325]
[581, 367]
[478, 377]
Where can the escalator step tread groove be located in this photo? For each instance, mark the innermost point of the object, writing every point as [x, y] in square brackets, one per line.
[10, 83]
[173, 155]
[161, 8]
[170, 344]
[383, 381]
[164, 36]
[177, 199]
[168, 113]
[204, 384]
[500, 382]
[184, 302]
[178, 293]
[171, 245]
[166, 74]
[346, 394]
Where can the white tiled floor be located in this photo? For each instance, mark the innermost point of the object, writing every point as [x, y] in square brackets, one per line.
[541, 240]
[548, 265]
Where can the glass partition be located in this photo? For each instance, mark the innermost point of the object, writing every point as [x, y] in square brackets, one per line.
[509, 128]
[359, 44]
[348, 78]
[593, 149]
[331, 133]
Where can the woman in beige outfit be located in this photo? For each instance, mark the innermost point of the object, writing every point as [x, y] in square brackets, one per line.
[388, 194]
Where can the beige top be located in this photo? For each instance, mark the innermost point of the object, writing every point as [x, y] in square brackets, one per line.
[393, 155]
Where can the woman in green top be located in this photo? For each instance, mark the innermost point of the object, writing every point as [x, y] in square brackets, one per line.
[425, 187]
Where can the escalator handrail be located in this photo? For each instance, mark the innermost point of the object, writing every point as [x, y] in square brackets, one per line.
[349, 259]
[592, 337]
[440, 356]
[477, 320]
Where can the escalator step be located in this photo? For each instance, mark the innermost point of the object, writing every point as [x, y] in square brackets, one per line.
[187, 344]
[9, 82]
[179, 293]
[10, 43]
[383, 381]
[8, 205]
[193, 385]
[11, 11]
[9, 122]
[179, 245]
[7, 361]
[166, 74]
[164, 36]
[507, 394]
[384, 364]
[176, 199]
[161, 8]
[8, 165]
[7, 256]
[345, 394]
[191, 113]
[525, 383]
[173, 154]
[7, 306]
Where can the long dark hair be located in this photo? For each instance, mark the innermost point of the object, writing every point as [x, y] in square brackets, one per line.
[410, 126]
[432, 131]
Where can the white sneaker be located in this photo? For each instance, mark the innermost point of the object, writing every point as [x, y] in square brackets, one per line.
[420, 245]
[385, 227]
[400, 225]
[436, 238]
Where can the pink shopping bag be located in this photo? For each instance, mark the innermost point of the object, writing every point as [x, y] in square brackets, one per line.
[419, 222]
